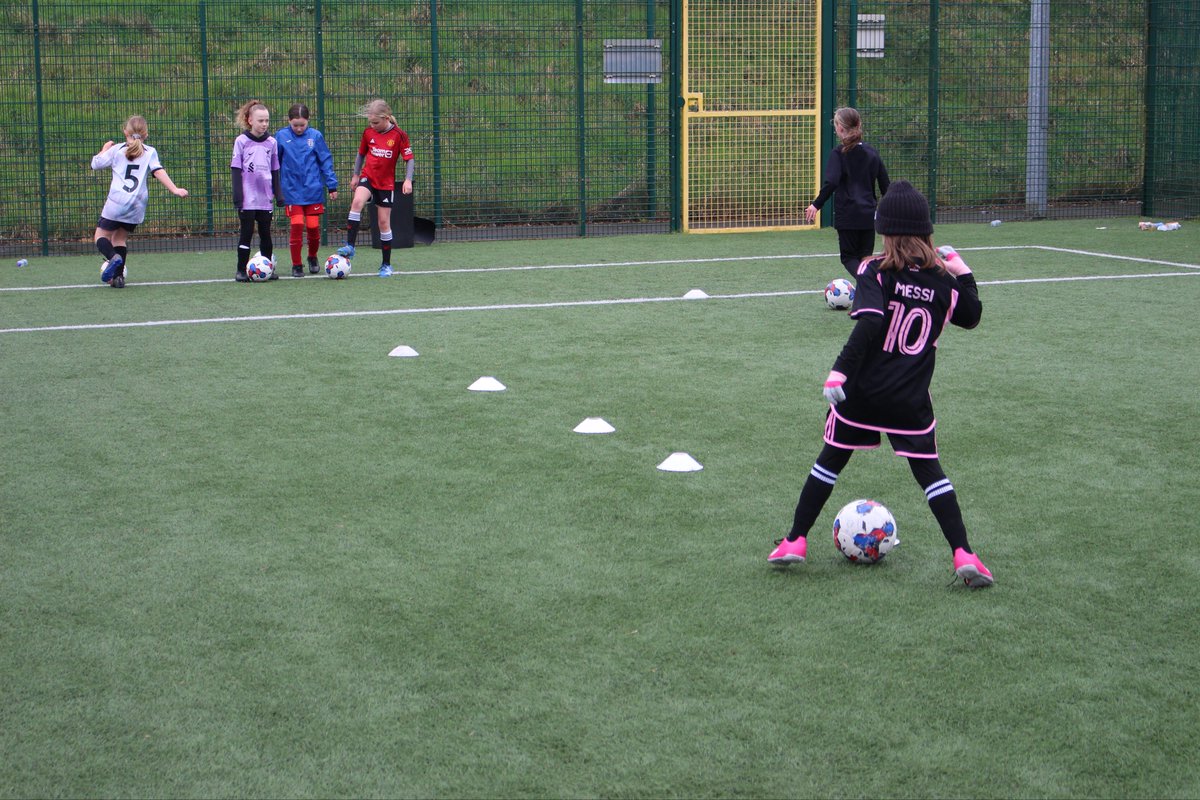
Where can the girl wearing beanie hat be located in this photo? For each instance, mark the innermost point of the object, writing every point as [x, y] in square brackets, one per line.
[879, 383]
[853, 170]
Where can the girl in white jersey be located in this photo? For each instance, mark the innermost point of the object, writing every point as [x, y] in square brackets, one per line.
[132, 163]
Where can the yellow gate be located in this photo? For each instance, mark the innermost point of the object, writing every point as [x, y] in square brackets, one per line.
[751, 86]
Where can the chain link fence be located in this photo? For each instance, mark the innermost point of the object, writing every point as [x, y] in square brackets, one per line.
[522, 124]
[560, 117]
[1009, 110]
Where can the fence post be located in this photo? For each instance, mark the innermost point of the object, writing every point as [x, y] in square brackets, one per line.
[581, 117]
[1149, 164]
[934, 82]
[41, 128]
[435, 56]
[852, 54]
[651, 155]
[1038, 112]
[319, 65]
[828, 99]
[676, 110]
[208, 167]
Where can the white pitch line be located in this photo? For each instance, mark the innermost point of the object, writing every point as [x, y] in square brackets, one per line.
[1103, 255]
[601, 264]
[526, 306]
[452, 271]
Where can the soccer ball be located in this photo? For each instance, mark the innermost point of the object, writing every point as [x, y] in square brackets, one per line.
[864, 531]
[104, 266]
[260, 268]
[839, 294]
[337, 267]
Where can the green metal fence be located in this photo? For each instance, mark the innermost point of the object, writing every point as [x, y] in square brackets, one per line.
[517, 128]
[1173, 110]
[1002, 109]
[523, 124]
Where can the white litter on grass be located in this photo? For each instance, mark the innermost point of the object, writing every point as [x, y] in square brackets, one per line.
[487, 384]
[594, 425]
[680, 462]
[696, 294]
[403, 351]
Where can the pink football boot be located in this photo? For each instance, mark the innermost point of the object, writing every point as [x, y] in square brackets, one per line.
[787, 552]
[968, 567]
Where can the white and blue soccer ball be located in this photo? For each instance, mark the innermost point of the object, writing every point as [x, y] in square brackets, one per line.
[865, 531]
[337, 267]
[260, 268]
[839, 294]
[103, 266]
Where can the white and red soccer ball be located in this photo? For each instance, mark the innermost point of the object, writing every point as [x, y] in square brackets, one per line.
[337, 267]
[839, 294]
[865, 531]
[260, 268]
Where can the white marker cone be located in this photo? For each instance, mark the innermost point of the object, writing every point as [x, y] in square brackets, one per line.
[680, 462]
[487, 384]
[594, 425]
[403, 351]
[696, 294]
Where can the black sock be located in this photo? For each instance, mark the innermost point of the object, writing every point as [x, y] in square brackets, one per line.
[949, 516]
[105, 246]
[352, 231]
[123, 252]
[942, 499]
[243, 257]
[817, 488]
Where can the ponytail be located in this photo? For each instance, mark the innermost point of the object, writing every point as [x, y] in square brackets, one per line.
[243, 113]
[851, 121]
[135, 135]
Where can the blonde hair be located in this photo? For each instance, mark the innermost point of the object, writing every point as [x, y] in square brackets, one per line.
[248, 108]
[135, 129]
[902, 252]
[377, 108]
[851, 120]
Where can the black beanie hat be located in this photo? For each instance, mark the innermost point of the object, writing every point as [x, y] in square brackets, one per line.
[903, 211]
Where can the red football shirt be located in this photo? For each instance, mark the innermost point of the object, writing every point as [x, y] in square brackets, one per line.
[382, 151]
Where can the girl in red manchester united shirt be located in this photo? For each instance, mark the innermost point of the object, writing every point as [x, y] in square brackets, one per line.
[382, 145]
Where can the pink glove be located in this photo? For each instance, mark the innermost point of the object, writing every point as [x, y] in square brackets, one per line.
[833, 387]
[954, 263]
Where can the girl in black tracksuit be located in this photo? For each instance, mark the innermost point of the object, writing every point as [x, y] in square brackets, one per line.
[853, 171]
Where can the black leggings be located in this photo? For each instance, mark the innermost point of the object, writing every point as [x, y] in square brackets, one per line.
[249, 219]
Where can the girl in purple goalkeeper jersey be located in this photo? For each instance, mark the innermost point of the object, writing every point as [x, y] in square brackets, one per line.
[879, 383]
[132, 164]
[256, 186]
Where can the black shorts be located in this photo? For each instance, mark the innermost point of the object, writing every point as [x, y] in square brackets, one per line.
[383, 198]
[848, 435]
[106, 224]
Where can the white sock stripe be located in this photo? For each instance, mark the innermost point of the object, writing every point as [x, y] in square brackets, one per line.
[354, 216]
[937, 489]
[385, 237]
[824, 475]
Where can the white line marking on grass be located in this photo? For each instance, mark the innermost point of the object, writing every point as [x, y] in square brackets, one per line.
[602, 264]
[526, 306]
[450, 271]
[1069, 251]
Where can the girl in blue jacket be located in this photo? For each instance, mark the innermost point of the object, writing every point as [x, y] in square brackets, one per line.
[306, 172]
